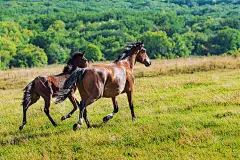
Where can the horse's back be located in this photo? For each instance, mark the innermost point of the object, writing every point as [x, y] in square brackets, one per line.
[42, 86]
[57, 81]
[107, 80]
[115, 79]
[93, 80]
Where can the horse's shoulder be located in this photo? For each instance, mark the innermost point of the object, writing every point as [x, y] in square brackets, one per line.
[130, 75]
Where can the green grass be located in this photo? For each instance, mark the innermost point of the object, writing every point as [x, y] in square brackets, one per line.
[183, 116]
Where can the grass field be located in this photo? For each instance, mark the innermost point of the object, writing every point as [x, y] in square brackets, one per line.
[185, 108]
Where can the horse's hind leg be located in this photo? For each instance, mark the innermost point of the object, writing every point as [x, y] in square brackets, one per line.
[83, 104]
[34, 98]
[75, 106]
[115, 106]
[86, 118]
[83, 113]
[46, 110]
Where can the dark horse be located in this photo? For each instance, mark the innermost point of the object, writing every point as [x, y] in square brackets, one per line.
[105, 81]
[47, 87]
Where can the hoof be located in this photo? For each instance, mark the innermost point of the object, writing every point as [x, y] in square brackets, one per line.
[134, 119]
[76, 126]
[55, 125]
[63, 118]
[105, 119]
[90, 127]
[20, 128]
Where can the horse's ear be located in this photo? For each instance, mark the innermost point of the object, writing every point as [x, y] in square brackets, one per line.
[142, 41]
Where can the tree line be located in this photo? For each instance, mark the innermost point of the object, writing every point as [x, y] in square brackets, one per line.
[39, 32]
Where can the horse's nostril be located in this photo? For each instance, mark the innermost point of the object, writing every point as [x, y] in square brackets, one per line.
[147, 64]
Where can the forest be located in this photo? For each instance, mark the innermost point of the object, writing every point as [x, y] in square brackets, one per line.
[39, 32]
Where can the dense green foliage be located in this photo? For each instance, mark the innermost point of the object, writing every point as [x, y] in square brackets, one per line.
[93, 52]
[170, 28]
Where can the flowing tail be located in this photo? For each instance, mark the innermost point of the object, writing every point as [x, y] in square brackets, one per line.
[27, 96]
[70, 82]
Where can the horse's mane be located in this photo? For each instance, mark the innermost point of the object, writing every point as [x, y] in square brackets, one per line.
[126, 51]
[69, 67]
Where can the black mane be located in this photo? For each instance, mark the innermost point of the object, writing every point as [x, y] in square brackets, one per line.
[69, 67]
[127, 50]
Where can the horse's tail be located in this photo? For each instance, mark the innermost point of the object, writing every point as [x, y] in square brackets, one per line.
[69, 84]
[27, 96]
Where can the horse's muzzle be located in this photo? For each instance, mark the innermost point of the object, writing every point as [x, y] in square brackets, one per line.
[147, 63]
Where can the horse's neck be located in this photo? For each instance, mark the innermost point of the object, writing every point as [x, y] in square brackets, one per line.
[83, 65]
[131, 61]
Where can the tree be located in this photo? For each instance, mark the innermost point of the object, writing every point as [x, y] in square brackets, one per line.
[201, 44]
[58, 26]
[170, 23]
[189, 40]
[180, 49]
[5, 58]
[158, 45]
[229, 39]
[57, 54]
[41, 40]
[93, 52]
[8, 45]
[226, 40]
[14, 32]
[30, 56]
[56, 32]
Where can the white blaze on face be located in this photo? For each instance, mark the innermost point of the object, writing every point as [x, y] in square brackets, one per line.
[148, 60]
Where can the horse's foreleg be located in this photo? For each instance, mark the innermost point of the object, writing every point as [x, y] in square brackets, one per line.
[115, 107]
[75, 106]
[46, 110]
[130, 101]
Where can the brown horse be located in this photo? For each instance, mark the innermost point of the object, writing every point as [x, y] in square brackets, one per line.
[47, 87]
[105, 81]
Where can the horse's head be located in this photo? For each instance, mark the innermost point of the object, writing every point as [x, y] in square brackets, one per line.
[137, 51]
[141, 54]
[79, 60]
